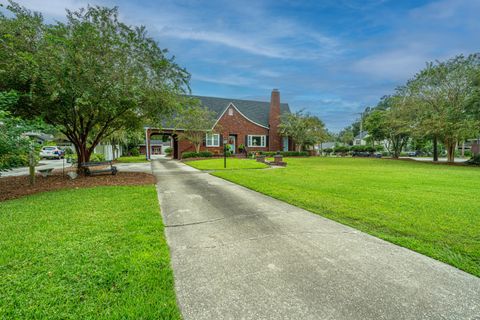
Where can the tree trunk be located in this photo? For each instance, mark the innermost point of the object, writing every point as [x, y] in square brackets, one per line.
[31, 164]
[83, 154]
[450, 146]
[397, 147]
[197, 147]
[435, 148]
[299, 147]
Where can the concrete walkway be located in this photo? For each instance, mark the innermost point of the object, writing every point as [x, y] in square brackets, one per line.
[237, 254]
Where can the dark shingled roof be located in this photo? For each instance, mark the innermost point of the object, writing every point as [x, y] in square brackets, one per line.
[257, 111]
[361, 135]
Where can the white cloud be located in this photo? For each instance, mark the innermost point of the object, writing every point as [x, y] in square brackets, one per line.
[231, 80]
[241, 42]
[393, 65]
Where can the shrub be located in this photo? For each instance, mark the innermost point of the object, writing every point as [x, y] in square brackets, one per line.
[186, 155]
[294, 153]
[168, 151]
[328, 150]
[9, 161]
[475, 160]
[68, 151]
[134, 152]
[370, 149]
[358, 148]
[283, 153]
[203, 154]
[97, 157]
[342, 149]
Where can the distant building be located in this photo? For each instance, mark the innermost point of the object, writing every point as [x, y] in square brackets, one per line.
[322, 146]
[360, 139]
[157, 147]
[39, 137]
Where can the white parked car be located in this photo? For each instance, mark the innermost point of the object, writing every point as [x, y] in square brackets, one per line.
[51, 152]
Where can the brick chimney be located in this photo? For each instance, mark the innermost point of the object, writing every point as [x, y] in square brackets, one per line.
[275, 143]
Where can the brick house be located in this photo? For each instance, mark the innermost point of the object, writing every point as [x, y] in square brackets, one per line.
[253, 124]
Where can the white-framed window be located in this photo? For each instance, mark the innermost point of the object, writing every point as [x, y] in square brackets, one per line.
[212, 140]
[256, 141]
[230, 111]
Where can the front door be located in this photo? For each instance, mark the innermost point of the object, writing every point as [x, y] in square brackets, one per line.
[232, 141]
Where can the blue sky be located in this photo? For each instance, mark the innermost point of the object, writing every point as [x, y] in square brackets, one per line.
[331, 58]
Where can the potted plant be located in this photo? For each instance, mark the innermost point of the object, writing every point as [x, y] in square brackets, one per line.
[241, 148]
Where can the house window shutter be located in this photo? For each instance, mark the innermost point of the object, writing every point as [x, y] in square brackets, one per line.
[204, 142]
[266, 141]
[221, 141]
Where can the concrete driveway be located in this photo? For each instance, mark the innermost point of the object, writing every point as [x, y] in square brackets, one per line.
[238, 254]
[43, 164]
[59, 164]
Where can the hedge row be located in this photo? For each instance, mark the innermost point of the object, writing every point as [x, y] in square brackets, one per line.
[345, 149]
[203, 154]
[283, 153]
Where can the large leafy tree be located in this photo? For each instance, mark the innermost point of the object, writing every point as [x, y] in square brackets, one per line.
[304, 129]
[391, 122]
[441, 91]
[93, 75]
[346, 136]
[19, 40]
[193, 122]
[473, 101]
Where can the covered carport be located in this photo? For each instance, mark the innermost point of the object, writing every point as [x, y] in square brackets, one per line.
[150, 132]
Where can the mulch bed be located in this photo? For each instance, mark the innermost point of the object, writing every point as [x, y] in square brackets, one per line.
[16, 187]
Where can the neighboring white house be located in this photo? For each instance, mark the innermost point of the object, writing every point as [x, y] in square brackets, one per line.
[111, 152]
[325, 145]
[360, 139]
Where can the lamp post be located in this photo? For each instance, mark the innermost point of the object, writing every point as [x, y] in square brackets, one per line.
[225, 141]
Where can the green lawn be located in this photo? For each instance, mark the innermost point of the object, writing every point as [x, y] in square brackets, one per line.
[131, 159]
[432, 209]
[96, 253]
[232, 164]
